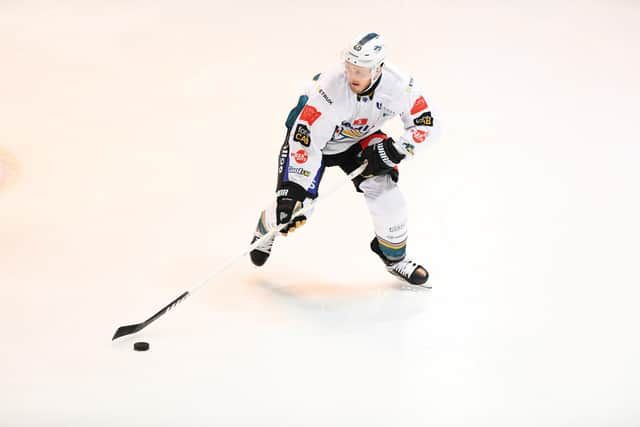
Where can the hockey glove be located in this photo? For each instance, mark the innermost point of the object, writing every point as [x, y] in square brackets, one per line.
[382, 156]
[290, 200]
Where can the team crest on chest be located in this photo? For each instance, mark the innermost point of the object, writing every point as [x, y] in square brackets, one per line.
[352, 130]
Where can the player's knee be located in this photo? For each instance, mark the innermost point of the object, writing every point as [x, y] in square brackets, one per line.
[375, 186]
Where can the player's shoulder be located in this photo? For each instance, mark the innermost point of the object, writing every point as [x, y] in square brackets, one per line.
[395, 81]
[328, 87]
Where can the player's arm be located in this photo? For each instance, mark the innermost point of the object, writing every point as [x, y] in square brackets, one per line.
[309, 127]
[420, 122]
[419, 126]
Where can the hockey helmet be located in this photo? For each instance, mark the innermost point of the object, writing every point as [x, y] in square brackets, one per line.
[367, 50]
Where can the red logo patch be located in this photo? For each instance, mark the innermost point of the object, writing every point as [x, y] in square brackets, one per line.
[419, 105]
[300, 156]
[360, 122]
[310, 114]
[419, 135]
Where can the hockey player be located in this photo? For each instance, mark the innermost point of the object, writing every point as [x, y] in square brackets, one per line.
[337, 122]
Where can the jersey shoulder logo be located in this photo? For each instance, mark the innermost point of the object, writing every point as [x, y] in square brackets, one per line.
[324, 95]
[310, 114]
[419, 105]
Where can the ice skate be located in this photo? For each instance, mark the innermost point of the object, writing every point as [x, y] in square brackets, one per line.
[261, 253]
[405, 269]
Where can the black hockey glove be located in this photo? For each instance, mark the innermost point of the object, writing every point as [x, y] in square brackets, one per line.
[290, 199]
[382, 156]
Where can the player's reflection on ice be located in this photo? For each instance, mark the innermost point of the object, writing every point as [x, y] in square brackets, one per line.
[337, 302]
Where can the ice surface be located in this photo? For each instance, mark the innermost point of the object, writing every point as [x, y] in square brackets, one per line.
[146, 136]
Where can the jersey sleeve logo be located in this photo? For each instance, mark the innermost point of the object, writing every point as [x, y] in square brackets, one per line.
[302, 135]
[300, 156]
[418, 135]
[324, 95]
[424, 120]
[310, 114]
[418, 106]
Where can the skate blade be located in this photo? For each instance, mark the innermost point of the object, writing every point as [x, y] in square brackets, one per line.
[404, 286]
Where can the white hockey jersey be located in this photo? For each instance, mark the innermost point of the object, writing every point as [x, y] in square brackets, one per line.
[330, 118]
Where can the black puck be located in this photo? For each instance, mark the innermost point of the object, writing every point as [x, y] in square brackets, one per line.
[141, 346]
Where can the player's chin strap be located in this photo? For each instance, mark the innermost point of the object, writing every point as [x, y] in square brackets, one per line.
[376, 73]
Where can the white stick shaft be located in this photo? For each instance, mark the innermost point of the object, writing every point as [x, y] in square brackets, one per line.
[270, 234]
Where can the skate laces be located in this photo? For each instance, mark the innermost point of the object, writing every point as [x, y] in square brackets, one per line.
[404, 268]
[266, 244]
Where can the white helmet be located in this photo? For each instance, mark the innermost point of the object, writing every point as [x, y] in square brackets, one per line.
[366, 51]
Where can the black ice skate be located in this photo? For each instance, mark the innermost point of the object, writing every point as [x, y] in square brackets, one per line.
[261, 253]
[404, 269]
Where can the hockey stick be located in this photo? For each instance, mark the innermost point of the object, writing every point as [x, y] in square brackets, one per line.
[132, 329]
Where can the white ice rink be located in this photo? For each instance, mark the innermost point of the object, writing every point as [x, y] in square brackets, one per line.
[138, 142]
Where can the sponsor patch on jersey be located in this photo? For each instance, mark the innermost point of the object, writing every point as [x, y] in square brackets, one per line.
[310, 114]
[425, 119]
[419, 135]
[282, 158]
[302, 135]
[360, 122]
[387, 112]
[300, 156]
[410, 86]
[299, 171]
[418, 106]
[324, 95]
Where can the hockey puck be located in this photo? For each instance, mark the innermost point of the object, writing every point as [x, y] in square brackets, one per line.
[141, 346]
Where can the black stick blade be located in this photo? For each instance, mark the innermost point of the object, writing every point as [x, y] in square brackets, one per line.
[127, 330]
[132, 329]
